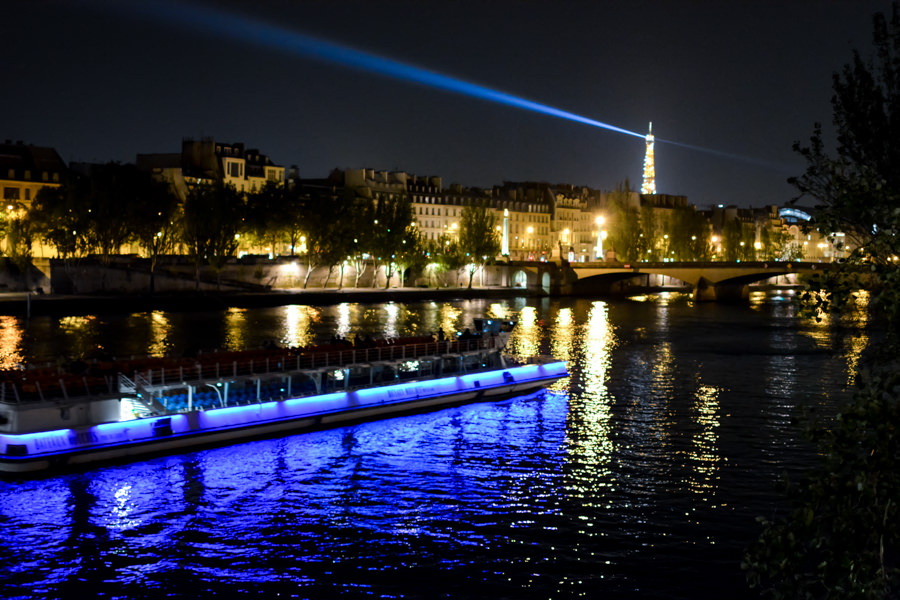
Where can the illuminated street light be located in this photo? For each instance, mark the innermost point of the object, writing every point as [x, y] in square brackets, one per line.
[601, 235]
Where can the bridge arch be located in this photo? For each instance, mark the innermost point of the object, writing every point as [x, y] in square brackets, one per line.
[520, 279]
[710, 281]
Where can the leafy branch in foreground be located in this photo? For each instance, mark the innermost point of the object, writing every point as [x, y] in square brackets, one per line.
[841, 538]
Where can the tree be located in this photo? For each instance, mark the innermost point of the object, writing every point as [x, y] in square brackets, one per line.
[841, 539]
[18, 231]
[362, 216]
[113, 191]
[732, 235]
[624, 225]
[211, 227]
[339, 230]
[317, 218]
[688, 232]
[478, 239]
[448, 256]
[266, 219]
[651, 234]
[153, 219]
[393, 218]
[57, 217]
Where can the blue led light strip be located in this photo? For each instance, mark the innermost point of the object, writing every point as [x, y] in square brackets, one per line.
[143, 431]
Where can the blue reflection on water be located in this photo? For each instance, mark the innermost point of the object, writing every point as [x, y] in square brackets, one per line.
[654, 457]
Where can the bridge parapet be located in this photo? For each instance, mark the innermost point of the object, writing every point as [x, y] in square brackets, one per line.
[709, 280]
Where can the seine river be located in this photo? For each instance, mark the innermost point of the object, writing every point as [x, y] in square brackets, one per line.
[640, 476]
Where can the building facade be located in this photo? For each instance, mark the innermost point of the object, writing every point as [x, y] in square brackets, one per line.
[25, 169]
[206, 160]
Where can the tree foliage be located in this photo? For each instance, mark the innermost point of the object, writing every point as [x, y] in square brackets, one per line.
[392, 224]
[154, 219]
[478, 239]
[213, 217]
[624, 222]
[58, 219]
[841, 539]
[689, 233]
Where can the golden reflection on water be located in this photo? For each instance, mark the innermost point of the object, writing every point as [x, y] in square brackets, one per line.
[343, 320]
[525, 340]
[704, 453]
[448, 318]
[499, 311]
[10, 343]
[563, 335]
[758, 300]
[857, 343]
[81, 332]
[235, 327]
[390, 324]
[298, 320]
[160, 328]
[831, 339]
[588, 431]
[598, 344]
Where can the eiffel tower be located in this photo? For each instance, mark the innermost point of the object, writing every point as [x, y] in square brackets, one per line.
[649, 185]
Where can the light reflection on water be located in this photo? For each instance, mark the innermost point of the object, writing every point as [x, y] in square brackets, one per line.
[10, 343]
[655, 456]
[159, 336]
[235, 328]
[298, 322]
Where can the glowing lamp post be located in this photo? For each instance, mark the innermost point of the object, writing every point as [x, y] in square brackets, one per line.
[528, 242]
[600, 237]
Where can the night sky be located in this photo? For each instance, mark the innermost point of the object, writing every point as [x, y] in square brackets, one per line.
[105, 80]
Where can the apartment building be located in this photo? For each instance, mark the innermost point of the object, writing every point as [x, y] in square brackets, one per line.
[207, 160]
[25, 169]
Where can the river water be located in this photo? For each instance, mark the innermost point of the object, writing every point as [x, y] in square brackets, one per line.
[640, 476]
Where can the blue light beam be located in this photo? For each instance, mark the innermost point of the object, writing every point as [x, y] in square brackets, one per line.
[264, 34]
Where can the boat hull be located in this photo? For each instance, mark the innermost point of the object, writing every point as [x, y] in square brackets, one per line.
[126, 440]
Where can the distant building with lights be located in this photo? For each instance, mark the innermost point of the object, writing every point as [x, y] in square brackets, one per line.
[207, 160]
[435, 212]
[25, 169]
[528, 208]
[570, 223]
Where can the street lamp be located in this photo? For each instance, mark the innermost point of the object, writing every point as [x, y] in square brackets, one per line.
[600, 236]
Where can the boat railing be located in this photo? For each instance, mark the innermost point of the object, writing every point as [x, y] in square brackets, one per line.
[101, 378]
[228, 365]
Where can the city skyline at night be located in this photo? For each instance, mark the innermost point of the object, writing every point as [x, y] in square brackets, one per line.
[731, 87]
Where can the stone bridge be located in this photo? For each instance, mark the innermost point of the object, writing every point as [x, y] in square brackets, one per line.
[710, 281]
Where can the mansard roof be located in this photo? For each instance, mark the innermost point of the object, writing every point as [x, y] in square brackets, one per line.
[24, 158]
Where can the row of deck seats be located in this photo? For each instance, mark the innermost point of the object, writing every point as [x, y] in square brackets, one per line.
[236, 397]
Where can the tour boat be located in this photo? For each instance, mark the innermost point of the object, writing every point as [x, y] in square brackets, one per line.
[113, 411]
